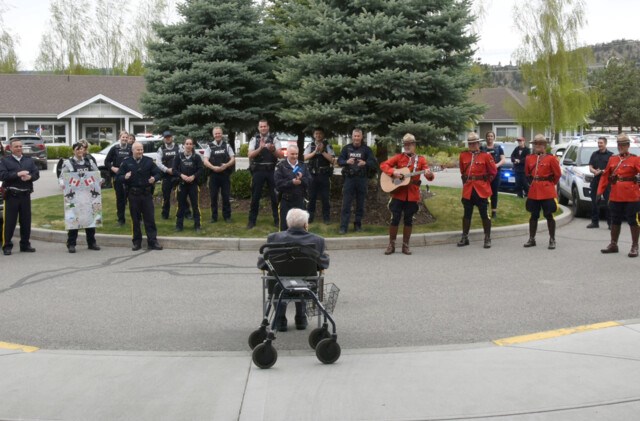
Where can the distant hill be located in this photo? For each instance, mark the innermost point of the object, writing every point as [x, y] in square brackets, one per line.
[509, 75]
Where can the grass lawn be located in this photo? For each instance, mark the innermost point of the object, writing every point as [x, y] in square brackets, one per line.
[445, 206]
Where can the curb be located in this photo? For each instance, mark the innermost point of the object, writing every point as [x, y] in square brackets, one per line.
[332, 243]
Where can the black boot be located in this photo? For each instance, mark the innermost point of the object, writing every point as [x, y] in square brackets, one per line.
[533, 228]
[613, 245]
[635, 232]
[393, 233]
[551, 226]
[486, 225]
[406, 235]
[464, 240]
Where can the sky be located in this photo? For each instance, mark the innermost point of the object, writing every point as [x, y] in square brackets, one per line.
[607, 20]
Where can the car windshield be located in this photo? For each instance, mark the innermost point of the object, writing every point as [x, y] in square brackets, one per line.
[508, 149]
[587, 151]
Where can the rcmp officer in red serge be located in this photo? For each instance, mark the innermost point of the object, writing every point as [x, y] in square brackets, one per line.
[320, 156]
[220, 159]
[188, 168]
[264, 152]
[139, 173]
[292, 180]
[623, 175]
[17, 172]
[543, 172]
[478, 169]
[116, 156]
[404, 198]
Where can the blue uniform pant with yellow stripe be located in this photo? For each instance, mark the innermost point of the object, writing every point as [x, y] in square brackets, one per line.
[188, 191]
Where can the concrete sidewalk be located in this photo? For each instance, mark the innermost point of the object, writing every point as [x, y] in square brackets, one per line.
[584, 376]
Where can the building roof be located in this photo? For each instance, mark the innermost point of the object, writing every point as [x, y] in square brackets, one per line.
[54, 94]
[497, 101]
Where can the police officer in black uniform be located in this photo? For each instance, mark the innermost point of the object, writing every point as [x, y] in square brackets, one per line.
[189, 169]
[597, 164]
[319, 156]
[80, 163]
[116, 156]
[17, 173]
[264, 152]
[292, 180]
[220, 159]
[140, 173]
[166, 154]
[356, 159]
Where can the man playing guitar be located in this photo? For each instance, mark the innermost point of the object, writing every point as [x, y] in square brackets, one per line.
[405, 198]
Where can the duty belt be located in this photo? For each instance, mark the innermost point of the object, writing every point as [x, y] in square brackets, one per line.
[627, 179]
[264, 166]
[477, 177]
[291, 197]
[542, 178]
[139, 191]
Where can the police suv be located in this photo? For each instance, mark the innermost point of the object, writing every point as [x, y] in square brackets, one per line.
[576, 178]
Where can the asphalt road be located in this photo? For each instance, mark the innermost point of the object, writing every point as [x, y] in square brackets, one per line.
[116, 299]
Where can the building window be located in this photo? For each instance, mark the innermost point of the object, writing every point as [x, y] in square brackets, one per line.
[50, 132]
[96, 133]
[143, 127]
[507, 132]
[3, 131]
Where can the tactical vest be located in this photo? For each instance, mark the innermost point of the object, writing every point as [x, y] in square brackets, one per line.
[82, 166]
[169, 155]
[359, 154]
[265, 156]
[121, 155]
[318, 164]
[188, 165]
[219, 154]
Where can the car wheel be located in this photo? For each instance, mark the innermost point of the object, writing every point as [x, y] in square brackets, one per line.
[561, 198]
[579, 209]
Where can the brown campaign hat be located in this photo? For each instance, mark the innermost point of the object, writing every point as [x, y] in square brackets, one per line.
[623, 139]
[539, 139]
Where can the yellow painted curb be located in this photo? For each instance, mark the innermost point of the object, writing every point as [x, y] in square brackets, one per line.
[18, 347]
[553, 333]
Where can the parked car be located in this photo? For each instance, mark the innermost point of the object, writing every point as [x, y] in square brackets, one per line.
[559, 150]
[575, 180]
[506, 172]
[32, 146]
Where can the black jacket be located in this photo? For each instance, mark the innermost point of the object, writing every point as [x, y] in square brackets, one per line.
[284, 176]
[140, 172]
[9, 168]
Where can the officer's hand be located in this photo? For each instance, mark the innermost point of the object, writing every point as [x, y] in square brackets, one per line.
[127, 175]
[599, 198]
[22, 173]
[115, 169]
[319, 148]
[170, 171]
[271, 147]
[351, 161]
[362, 163]
[152, 180]
[297, 181]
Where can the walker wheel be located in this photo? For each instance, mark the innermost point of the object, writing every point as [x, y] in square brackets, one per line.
[317, 335]
[328, 351]
[257, 337]
[264, 355]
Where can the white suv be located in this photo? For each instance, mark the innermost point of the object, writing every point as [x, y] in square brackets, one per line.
[576, 178]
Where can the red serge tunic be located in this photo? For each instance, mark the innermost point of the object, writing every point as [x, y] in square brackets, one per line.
[410, 192]
[544, 171]
[477, 176]
[626, 188]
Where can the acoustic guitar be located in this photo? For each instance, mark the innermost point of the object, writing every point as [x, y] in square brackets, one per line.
[389, 184]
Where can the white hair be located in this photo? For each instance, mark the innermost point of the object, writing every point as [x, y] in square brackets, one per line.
[297, 218]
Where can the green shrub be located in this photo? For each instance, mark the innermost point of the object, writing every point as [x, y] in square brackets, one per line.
[241, 184]
[94, 148]
[244, 150]
[52, 152]
[64, 151]
[104, 144]
[336, 148]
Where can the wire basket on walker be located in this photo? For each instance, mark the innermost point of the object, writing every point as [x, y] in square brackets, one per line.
[293, 275]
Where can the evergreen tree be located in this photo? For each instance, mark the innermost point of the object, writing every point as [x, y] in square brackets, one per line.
[386, 66]
[212, 68]
[618, 87]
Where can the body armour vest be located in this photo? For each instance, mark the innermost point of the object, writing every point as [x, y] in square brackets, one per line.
[188, 164]
[82, 166]
[265, 156]
[169, 155]
[121, 155]
[319, 161]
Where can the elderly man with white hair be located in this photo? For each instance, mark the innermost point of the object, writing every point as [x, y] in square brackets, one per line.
[298, 222]
[292, 180]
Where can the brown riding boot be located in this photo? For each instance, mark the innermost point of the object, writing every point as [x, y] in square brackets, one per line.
[551, 225]
[406, 235]
[393, 233]
[635, 231]
[533, 228]
[613, 245]
[486, 225]
[464, 240]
